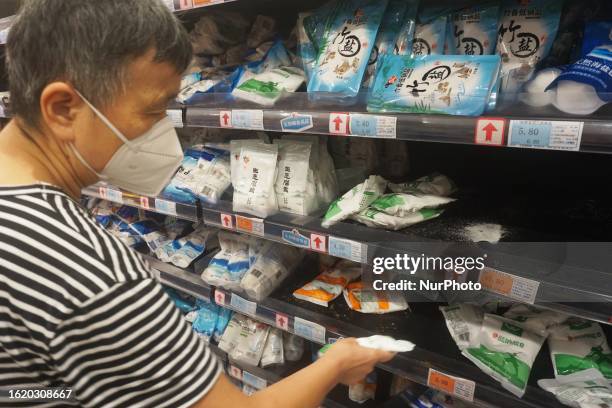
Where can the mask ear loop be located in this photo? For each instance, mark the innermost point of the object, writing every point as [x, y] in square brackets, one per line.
[106, 121]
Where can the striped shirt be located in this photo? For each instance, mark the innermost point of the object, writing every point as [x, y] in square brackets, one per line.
[82, 311]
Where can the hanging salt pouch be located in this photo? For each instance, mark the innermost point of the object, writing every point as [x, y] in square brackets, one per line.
[525, 36]
[385, 40]
[405, 36]
[429, 37]
[444, 84]
[586, 85]
[473, 31]
[344, 56]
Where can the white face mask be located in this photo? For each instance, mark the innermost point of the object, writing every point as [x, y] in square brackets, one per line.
[143, 165]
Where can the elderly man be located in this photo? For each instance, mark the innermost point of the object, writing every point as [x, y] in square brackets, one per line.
[90, 81]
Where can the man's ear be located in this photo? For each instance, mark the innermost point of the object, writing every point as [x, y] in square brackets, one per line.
[59, 107]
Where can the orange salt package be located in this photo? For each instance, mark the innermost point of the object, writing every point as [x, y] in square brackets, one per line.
[329, 284]
[367, 300]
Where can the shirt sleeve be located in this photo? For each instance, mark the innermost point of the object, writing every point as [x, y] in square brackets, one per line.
[129, 346]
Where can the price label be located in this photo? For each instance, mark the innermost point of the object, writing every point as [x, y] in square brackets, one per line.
[282, 321]
[242, 305]
[102, 192]
[347, 249]
[373, 126]
[114, 195]
[546, 134]
[144, 202]
[227, 220]
[219, 297]
[165, 207]
[253, 226]
[248, 119]
[253, 380]
[235, 372]
[456, 386]
[309, 330]
[516, 287]
[176, 116]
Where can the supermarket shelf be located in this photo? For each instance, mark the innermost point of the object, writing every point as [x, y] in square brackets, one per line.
[221, 111]
[424, 326]
[103, 191]
[562, 274]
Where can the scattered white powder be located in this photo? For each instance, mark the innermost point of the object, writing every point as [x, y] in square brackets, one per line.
[484, 232]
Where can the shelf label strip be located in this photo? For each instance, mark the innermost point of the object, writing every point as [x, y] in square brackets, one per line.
[242, 305]
[456, 386]
[309, 330]
[253, 380]
[253, 226]
[384, 127]
[247, 119]
[516, 287]
[347, 249]
[545, 134]
[166, 207]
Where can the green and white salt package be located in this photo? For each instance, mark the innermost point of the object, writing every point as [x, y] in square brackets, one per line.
[436, 184]
[464, 322]
[473, 31]
[256, 173]
[525, 36]
[578, 345]
[379, 219]
[404, 205]
[533, 319]
[346, 49]
[506, 352]
[355, 200]
[295, 186]
[584, 389]
[267, 87]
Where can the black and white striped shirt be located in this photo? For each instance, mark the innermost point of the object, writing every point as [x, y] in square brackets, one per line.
[80, 310]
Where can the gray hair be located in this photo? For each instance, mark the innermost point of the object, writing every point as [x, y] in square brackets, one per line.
[89, 44]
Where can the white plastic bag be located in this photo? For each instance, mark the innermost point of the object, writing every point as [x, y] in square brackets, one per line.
[328, 285]
[250, 347]
[354, 201]
[534, 319]
[295, 187]
[584, 389]
[231, 335]
[256, 173]
[267, 87]
[403, 205]
[366, 300]
[293, 347]
[273, 350]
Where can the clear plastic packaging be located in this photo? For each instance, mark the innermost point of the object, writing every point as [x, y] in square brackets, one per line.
[231, 335]
[463, 322]
[533, 319]
[377, 219]
[213, 173]
[267, 87]
[436, 184]
[328, 285]
[366, 300]
[404, 205]
[584, 389]
[293, 347]
[473, 31]
[295, 186]
[429, 37]
[405, 37]
[273, 350]
[252, 339]
[194, 245]
[227, 268]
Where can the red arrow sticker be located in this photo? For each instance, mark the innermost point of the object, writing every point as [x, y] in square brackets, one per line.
[339, 123]
[282, 321]
[225, 119]
[490, 131]
[227, 221]
[318, 242]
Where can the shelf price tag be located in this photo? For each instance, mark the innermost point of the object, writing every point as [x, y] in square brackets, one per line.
[114, 195]
[253, 380]
[166, 207]
[251, 225]
[248, 119]
[347, 249]
[456, 386]
[546, 134]
[242, 305]
[373, 126]
[309, 330]
[512, 286]
[176, 116]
